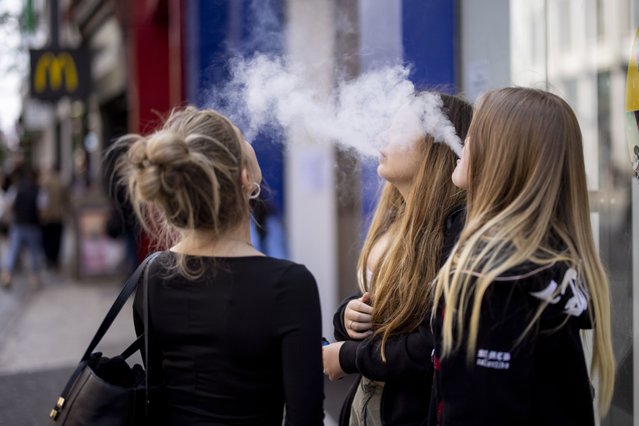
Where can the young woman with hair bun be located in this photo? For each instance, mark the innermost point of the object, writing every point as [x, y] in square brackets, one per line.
[525, 278]
[234, 336]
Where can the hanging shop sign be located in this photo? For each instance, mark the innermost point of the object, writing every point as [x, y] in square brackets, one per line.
[59, 73]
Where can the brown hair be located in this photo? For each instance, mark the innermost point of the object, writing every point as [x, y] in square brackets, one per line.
[400, 284]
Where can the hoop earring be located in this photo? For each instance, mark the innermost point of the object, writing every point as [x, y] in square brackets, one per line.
[255, 193]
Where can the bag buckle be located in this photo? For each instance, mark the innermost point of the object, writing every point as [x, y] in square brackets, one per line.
[55, 412]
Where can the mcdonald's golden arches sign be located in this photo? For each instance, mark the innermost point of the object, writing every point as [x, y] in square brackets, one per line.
[58, 73]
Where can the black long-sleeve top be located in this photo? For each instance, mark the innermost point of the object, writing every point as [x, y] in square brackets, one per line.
[237, 345]
[541, 381]
[407, 372]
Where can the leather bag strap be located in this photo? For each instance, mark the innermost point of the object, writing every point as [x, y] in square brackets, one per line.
[124, 295]
[133, 347]
[145, 283]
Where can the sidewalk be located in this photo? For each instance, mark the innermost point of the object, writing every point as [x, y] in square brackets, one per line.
[58, 321]
[43, 335]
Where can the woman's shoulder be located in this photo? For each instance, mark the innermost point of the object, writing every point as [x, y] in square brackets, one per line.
[281, 270]
[452, 229]
[537, 278]
[558, 285]
[257, 263]
[530, 273]
[277, 262]
[291, 281]
[264, 271]
[456, 218]
[291, 271]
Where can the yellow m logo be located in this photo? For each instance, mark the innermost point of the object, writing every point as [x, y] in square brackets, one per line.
[55, 66]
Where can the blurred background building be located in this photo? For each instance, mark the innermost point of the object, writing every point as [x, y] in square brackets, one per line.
[146, 56]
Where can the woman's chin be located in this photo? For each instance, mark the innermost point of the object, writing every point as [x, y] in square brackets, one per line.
[381, 172]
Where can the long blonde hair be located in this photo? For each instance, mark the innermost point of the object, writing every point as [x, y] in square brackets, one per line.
[185, 177]
[527, 202]
[399, 284]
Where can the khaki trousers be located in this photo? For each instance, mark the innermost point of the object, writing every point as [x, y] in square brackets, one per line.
[365, 410]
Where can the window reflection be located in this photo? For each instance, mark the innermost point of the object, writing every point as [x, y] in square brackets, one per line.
[579, 50]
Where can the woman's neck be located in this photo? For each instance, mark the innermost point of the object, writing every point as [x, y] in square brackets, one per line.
[233, 243]
[403, 188]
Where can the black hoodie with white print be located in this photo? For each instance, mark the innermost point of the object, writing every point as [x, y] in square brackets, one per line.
[540, 380]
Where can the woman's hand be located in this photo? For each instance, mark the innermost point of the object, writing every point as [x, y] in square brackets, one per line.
[332, 368]
[358, 319]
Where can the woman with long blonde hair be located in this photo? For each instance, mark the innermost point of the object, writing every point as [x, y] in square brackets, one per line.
[524, 279]
[416, 222]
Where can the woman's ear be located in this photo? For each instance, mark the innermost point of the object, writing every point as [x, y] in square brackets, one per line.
[246, 178]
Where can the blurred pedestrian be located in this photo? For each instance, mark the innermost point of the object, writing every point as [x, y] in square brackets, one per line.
[26, 201]
[122, 222]
[234, 336]
[53, 214]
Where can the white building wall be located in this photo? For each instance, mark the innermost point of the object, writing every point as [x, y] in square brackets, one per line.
[485, 46]
[309, 175]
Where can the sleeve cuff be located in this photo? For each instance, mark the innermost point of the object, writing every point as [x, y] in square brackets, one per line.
[347, 356]
[339, 331]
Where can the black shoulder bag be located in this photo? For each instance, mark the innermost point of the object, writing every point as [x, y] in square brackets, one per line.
[107, 391]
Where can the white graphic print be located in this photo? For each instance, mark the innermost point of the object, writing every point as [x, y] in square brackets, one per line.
[577, 304]
[493, 359]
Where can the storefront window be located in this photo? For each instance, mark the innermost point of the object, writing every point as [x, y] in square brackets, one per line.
[584, 58]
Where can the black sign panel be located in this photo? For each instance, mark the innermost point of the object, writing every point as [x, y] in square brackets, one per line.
[58, 72]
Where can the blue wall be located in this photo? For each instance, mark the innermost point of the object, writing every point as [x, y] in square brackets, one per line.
[206, 53]
[429, 46]
[216, 31]
[262, 24]
[429, 42]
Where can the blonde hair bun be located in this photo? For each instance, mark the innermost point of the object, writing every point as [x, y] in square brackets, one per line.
[185, 177]
[160, 162]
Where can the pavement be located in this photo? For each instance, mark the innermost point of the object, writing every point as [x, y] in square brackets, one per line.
[44, 332]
